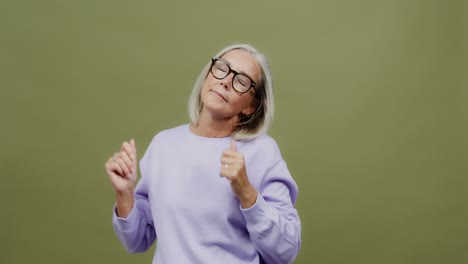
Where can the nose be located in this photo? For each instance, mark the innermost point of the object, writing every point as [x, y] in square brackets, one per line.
[227, 81]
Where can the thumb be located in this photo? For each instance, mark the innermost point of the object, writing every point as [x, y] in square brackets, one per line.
[132, 143]
[233, 146]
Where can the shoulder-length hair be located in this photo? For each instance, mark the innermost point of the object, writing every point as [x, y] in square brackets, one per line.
[251, 126]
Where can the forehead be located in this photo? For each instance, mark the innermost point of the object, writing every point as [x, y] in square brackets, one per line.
[244, 62]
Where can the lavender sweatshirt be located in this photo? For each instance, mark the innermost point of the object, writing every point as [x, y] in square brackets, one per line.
[182, 201]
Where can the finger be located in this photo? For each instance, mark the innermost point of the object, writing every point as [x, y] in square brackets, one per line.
[124, 167]
[227, 160]
[232, 155]
[128, 161]
[114, 168]
[233, 146]
[109, 165]
[226, 173]
[132, 143]
[129, 150]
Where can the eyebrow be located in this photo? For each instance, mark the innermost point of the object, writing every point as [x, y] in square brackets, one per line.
[242, 72]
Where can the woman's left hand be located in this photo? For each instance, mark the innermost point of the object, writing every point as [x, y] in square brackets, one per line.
[233, 168]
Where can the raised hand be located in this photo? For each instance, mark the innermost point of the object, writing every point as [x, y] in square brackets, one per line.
[122, 171]
[233, 169]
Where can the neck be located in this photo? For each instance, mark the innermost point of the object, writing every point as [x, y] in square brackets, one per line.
[210, 126]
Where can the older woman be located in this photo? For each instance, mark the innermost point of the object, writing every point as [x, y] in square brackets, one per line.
[216, 190]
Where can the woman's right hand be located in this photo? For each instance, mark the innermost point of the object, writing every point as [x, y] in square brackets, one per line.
[122, 171]
[122, 168]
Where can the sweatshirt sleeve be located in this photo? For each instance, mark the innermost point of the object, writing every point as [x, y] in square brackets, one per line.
[273, 222]
[137, 232]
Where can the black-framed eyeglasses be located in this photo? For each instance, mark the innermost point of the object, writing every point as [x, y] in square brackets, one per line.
[240, 82]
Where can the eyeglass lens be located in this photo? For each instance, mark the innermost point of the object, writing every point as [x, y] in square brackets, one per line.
[240, 82]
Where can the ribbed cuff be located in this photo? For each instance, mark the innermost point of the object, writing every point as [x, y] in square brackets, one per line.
[256, 214]
[126, 224]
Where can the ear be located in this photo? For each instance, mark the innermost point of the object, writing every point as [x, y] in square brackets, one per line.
[249, 110]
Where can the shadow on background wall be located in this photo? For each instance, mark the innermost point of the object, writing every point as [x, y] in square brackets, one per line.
[371, 118]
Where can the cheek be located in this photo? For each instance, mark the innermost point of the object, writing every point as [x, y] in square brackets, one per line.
[209, 80]
[206, 86]
[243, 101]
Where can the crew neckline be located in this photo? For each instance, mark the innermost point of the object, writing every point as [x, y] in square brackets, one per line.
[198, 137]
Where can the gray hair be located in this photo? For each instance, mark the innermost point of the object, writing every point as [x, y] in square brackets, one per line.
[250, 126]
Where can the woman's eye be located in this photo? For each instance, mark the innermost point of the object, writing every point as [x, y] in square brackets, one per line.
[222, 69]
[243, 82]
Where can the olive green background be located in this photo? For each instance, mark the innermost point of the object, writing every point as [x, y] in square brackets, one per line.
[371, 118]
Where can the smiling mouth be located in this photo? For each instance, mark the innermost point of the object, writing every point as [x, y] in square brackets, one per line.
[220, 95]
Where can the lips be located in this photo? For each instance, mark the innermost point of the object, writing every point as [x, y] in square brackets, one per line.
[220, 95]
